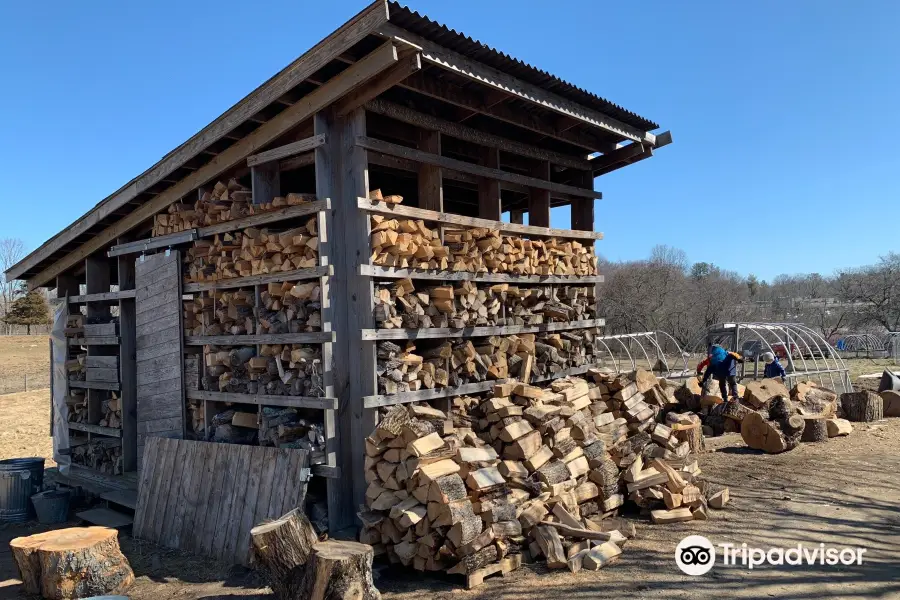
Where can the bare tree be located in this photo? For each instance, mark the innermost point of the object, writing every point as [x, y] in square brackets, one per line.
[875, 290]
[11, 251]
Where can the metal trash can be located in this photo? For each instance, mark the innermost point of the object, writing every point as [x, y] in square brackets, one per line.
[20, 479]
[52, 506]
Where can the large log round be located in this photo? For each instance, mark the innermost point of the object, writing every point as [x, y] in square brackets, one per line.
[78, 562]
[815, 430]
[772, 437]
[862, 407]
[339, 571]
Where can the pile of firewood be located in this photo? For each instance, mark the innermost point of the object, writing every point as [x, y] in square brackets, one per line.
[76, 402]
[465, 304]
[409, 243]
[252, 251]
[556, 352]
[101, 454]
[284, 428]
[225, 202]
[112, 412]
[278, 370]
[529, 469]
[75, 367]
[290, 307]
[74, 325]
[220, 312]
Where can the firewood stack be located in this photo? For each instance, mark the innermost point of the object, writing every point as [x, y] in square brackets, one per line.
[252, 251]
[75, 367]
[225, 202]
[290, 307]
[409, 243]
[465, 304]
[228, 312]
[103, 455]
[278, 370]
[112, 412]
[76, 402]
[284, 428]
[556, 352]
[542, 470]
[74, 325]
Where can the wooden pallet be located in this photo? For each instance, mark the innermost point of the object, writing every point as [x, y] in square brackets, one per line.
[504, 567]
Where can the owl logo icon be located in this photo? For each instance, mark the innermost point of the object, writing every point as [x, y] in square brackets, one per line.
[695, 555]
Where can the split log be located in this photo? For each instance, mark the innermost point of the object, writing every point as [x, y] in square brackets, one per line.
[772, 437]
[862, 407]
[297, 567]
[838, 427]
[72, 563]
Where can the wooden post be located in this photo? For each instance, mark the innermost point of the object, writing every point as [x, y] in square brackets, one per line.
[127, 365]
[517, 216]
[489, 189]
[583, 208]
[431, 190]
[67, 285]
[539, 200]
[265, 182]
[96, 271]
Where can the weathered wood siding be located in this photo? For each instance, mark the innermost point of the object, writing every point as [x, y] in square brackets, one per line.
[204, 497]
[159, 349]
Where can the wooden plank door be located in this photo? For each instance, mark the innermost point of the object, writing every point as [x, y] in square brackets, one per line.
[159, 348]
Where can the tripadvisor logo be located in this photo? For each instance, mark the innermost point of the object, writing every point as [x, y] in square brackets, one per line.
[696, 555]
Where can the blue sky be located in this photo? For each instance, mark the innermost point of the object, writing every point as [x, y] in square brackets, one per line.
[784, 114]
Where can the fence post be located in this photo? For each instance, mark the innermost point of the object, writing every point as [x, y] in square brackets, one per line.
[26, 382]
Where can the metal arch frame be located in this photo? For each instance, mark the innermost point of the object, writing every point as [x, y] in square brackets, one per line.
[640, 338]
[807, 342]
[869, 343]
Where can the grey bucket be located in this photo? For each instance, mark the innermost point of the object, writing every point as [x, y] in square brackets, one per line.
[20, 479]
[51, 506]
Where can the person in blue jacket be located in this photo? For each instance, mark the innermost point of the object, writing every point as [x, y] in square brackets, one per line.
[723, 367]
[773, 367]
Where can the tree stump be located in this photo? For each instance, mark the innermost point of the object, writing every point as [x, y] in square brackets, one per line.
[862, 407]
[891, 402]
[72, 563]
[815, 429]
[772, 437]
[298, 568]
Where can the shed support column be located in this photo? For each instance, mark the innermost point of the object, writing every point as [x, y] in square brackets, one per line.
[539, 200]
[265, 182]
[489, 189]
[431, 190]
[67, 285]
[517, 217]
[127, 365]
[353, 359]
[583, 208]
[96, 271]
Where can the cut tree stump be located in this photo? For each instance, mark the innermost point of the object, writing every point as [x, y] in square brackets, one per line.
[891, 400]
[772, 437]
[72, 563]
[862, 407]
[298, 568]
[815, 429]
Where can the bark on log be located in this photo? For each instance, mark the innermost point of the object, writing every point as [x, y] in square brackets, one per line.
[298, 568]
[771, 436]
[863, 407]
[72, 563]
[815, 430]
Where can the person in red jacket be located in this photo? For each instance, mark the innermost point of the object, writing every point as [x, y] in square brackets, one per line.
[722, 365]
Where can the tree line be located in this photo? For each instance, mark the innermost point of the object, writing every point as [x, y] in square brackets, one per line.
[668, 293]
[18, 306]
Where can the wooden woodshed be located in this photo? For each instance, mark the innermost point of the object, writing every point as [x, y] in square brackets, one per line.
[188, 289]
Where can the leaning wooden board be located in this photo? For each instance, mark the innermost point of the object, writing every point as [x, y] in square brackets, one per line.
[204, 497]
[158, 349]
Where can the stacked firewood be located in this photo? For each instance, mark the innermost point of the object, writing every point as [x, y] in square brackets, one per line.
[102, 454]
[75, 367]
[225, 202]
[525, 469]
[290, 307]
[278, 370]
[465, 304]
[556, 352]
[284, 428]
[220, 313]
[76, 402]
[253, 251]
[112, 412]
[74, 325]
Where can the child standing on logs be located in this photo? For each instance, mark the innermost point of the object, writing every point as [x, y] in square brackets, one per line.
[723, 367]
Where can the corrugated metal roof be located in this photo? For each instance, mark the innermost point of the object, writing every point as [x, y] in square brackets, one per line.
[470, 48]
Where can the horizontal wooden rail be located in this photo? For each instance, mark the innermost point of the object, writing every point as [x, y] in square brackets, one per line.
[102, 297]
[446, 332]
[110, 431]
[436, 394]
[411, 212]
[155, 243]
[392, 273]
[460, 165]
[100, 340]
[315, 337]
[265, 400]
[237, 282]
[95, 385]
[570, 372]
[305, 145]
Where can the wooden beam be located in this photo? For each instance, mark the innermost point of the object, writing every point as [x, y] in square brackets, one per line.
[265, 182]
[539, 200]
[392, 273]
[344, 38]
[348, 80]
[306, 145]
[460, 165]
[447, 59]
[583, 209]
[263, 338]
[409, 64]
[469, 134]
[411, 212]
[127, 358]
[238, 282]
[619, 158]
[326, 403]
[431, 189]
[489, 188]
[466, 332]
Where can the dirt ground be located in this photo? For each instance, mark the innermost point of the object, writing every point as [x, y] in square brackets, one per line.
[25, 425]
[21, 356]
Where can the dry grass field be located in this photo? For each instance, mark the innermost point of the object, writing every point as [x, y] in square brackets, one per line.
[24, 356]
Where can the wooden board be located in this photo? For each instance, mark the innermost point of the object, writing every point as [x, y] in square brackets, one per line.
[160, 389]
[204, 497]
